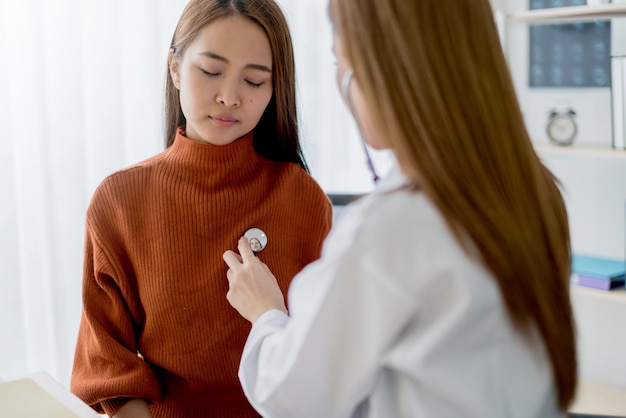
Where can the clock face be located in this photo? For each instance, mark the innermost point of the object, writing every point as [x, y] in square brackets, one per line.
[562, 129]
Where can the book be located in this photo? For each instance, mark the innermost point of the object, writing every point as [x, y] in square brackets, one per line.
[40, 395]
[598, 272]
[597, 282]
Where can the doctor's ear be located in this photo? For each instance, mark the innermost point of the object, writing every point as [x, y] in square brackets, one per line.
[346, 80]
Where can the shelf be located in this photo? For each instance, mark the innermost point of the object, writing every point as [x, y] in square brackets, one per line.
[616, 295]
[597, 398]
[570, 14]
[580, 151]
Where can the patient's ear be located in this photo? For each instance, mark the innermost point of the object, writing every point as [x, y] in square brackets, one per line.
[174, 64]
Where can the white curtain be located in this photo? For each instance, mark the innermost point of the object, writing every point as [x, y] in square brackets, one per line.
[81, 95]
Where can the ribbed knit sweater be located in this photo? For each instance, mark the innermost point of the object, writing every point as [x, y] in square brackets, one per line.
[156, 324]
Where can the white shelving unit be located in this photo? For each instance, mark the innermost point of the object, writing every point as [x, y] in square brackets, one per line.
[588, 172]
[568, 15]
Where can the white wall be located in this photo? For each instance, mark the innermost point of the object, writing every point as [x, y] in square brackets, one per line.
[601, 346]
[595, 192]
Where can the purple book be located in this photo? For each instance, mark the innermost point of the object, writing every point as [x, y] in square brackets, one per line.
[598, 282]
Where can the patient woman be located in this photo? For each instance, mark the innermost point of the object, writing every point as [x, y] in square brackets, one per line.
[157, 337]
[445, 293]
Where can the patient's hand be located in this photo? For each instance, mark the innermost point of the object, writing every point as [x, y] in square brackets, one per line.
[137, 408]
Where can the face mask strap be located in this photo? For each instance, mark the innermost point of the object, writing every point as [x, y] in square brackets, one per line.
[348, 75]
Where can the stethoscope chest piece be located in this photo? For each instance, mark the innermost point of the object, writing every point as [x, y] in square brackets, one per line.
[257, 239]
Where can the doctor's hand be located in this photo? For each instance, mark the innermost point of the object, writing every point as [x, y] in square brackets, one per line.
[253, 289]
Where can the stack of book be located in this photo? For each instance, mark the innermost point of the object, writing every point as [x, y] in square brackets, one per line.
[598, 272]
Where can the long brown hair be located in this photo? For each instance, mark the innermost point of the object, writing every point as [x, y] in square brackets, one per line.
[276, 134]
[436, 80]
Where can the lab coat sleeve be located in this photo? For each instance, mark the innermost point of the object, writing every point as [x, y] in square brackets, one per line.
[322, 361]
[269, 323]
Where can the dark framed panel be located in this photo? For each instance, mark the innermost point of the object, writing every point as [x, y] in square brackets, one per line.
[569, 55]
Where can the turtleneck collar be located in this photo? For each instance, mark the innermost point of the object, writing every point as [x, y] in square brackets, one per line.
[239, 156]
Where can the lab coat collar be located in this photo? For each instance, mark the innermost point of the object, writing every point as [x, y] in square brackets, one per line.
[394, 180]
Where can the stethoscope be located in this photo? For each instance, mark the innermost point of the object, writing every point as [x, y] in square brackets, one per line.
[345, 91]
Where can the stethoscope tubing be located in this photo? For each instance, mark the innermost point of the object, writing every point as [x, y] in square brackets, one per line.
[346, 79]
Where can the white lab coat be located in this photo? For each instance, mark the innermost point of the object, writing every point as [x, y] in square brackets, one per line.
[394, 320]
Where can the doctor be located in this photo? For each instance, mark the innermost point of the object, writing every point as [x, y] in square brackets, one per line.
[444, 293]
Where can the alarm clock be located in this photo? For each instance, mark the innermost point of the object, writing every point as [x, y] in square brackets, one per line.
[561, 127]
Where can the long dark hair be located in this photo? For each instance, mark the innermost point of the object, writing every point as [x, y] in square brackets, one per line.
[436, 81]
[276, 134]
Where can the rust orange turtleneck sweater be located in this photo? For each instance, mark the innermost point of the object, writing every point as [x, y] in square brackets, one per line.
[155, 282]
